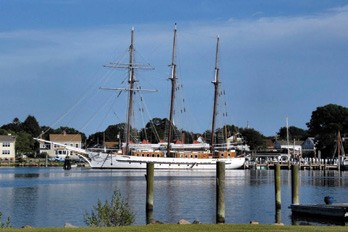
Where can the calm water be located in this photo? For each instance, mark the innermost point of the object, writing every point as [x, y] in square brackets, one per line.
[50, 197]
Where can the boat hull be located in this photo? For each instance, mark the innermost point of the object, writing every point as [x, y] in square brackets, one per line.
[108, 161]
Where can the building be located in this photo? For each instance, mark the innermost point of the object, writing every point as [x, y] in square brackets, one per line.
[293, 145]
[55, 151]
[308, 144]
[7, 147]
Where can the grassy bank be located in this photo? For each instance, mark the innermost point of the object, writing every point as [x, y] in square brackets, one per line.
[186, 228]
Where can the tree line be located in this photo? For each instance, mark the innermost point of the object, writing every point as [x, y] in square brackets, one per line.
[324, 125]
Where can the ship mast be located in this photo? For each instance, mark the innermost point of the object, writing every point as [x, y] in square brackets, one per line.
[173, 80]
[216, 83]
[131, 66]
[131, 81]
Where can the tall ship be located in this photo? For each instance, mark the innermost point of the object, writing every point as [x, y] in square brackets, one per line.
[167, 154]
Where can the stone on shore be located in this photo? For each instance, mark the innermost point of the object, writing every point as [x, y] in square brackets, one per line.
[183, 222]
[68, 225]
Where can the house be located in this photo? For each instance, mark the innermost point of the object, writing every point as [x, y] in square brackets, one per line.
[236, 141]
[308, 144]
[54, 150]
[294, 145]
[7, 147]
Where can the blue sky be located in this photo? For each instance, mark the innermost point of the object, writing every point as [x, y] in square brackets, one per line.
[278, 58]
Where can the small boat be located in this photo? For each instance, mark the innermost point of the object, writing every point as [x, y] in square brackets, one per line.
[165, 155]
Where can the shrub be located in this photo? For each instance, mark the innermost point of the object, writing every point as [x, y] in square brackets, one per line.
[109, 214]
[5, 224]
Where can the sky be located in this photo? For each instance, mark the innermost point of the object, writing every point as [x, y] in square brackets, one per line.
[277, 59]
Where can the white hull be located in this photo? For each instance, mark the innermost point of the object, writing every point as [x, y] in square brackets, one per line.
[107, 161]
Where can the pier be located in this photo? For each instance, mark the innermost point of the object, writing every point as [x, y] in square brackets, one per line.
[269, 160]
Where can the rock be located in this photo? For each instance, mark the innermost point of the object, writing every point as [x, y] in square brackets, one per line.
[156, 222]
[183, 222]
[254, 222]
[26, 226]
[196, 222]
[68, 225]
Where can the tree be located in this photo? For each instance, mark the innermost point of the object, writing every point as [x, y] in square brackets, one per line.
[31, 126]
[325, 122]
[15, 126]
[113, 131]
[294, 133]
[253, 138]
[25, 144]
[109, 135]
[115, 213]
[156, 129]
[6, 224]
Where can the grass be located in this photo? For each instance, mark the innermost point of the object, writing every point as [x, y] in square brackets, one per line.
[185, 228]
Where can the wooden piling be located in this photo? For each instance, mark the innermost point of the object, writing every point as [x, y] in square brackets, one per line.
[295, 185]
[220, 192]
[150, 167]
[277, 188]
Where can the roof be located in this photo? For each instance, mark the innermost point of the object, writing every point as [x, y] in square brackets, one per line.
[291, 143]
[7, 138]
[65, 137]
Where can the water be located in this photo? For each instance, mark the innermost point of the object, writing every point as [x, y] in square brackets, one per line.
[51, 197]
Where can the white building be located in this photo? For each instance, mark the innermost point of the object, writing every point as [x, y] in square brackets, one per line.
[7, 147]
[294, 147]
[56, 151]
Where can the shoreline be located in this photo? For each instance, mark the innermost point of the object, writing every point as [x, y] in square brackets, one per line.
[188, 228]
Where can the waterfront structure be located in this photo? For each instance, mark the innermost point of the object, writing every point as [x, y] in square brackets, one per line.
[295, 146]
[308, 145]
[7, 147]
[54, 150]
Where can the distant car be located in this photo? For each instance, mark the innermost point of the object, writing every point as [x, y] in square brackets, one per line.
[57, 158]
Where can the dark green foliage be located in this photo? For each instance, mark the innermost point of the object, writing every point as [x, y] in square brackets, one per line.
[109, 214]
[325, 123]
[155, 130]
[109, 135]
[294, 133]
[31, 126]
[253, 138]
[6, 224]
[24, 143]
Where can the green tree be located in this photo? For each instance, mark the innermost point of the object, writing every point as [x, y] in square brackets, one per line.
[15, 126]
[157, 129]
[113, 131]
[5, 224]
[31, 126]
[110, 135]
[253, 138]
[25, 144]
[109, 214]
[324, 124]
[294, 133]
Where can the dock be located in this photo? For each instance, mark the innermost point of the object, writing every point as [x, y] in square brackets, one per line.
[338, 211]
[269, 160]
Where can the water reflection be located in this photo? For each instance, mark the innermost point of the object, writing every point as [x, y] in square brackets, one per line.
[50, 197]
[27, 175]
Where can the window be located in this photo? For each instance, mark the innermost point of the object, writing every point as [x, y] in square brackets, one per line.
[6, 144]
[5, 152]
